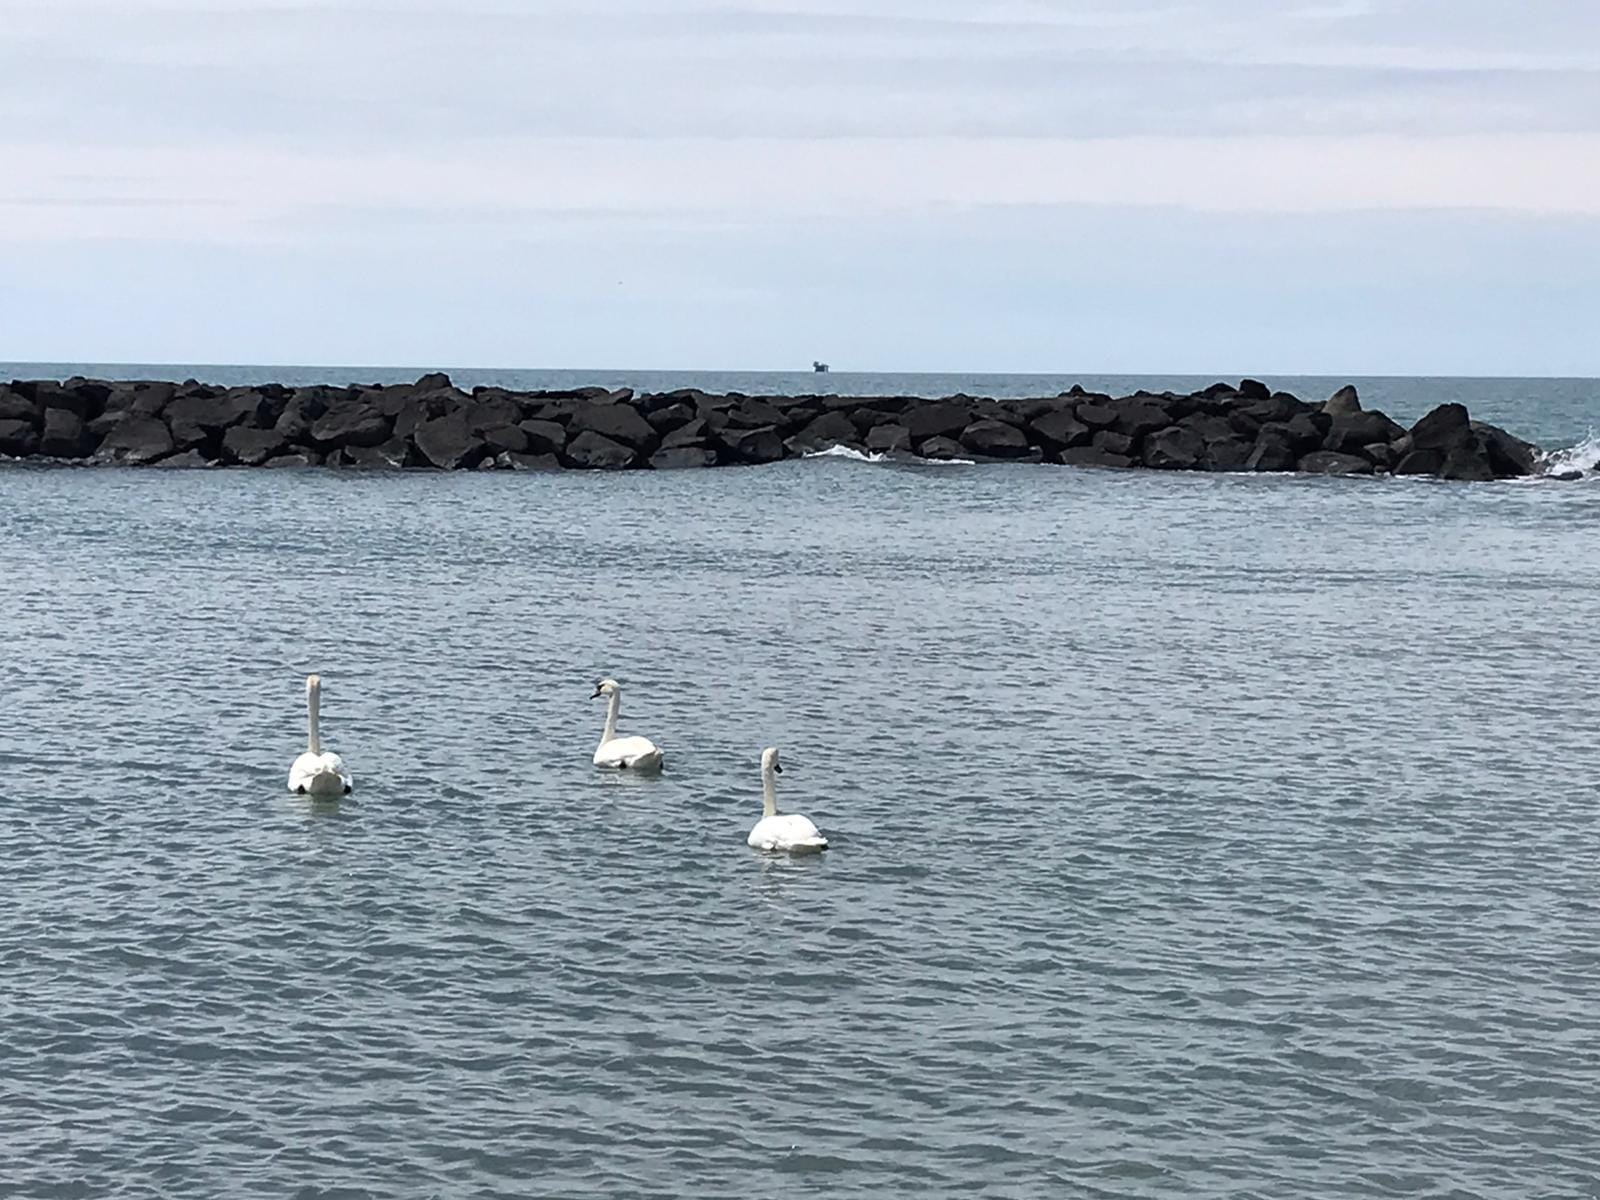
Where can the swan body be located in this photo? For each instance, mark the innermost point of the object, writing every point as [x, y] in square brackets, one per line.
[622, 753]
[788, 833]
[318, 772]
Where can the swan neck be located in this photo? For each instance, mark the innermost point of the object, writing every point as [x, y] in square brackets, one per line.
[313, 710]
[613, 706]
[769, 792]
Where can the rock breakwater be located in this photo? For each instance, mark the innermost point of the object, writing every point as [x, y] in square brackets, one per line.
[433, 424]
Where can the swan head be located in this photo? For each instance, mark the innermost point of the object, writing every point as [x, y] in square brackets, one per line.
[606, 687]
[769, 760]
[313, 683]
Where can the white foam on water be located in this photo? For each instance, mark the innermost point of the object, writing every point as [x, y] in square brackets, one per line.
[1585, 456]
[868, 457]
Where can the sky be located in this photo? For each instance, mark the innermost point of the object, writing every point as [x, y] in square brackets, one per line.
[1141, 186]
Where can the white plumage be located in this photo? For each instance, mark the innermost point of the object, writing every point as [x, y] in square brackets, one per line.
[622, 753]
[789, 833]
[318, 772]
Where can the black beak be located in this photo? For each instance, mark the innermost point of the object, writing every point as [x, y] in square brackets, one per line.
[777, 768]
[596, 695]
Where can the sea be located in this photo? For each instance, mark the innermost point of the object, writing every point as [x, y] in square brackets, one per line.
[1191, 835]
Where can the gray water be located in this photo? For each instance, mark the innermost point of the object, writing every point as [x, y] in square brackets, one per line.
[1192, 835]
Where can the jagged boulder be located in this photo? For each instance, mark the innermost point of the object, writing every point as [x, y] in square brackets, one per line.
[1059, 428]
[754, 445]
[1139, 418]
[1349, 431]
[18, 439]
[1329, 462]
[1253, 389]
[942, 448]
[544, 437]
[889, 439]
[252, 447]
[936, 419]
[1273, 451]
[448, 443]
[830, 429]
[65, 435]
[136, 439]
[350, 425]
[1176, 448]
[1509, 456]
[994, 439]
[1343, 402]
[591, 451]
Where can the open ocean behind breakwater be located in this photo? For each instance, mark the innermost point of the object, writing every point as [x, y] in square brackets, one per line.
[1193, 835]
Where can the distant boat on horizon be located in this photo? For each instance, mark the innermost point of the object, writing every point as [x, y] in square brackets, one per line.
[821, 368]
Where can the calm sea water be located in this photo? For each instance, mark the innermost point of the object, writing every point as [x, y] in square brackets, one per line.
[1192, 835]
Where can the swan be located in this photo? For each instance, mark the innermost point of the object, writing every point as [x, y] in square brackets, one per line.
[316, 773]
[629, 753]
[788, 832]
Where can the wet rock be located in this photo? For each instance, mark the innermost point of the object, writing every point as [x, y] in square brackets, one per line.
[186, 460]
[616, 423]
[448, 443]
[591, 451]
[544, 437]
[252, 447]
[505, 439]
[1176, 448]
[64, 435]
[942, 419]
[1379, 455]
[394, 454]
[943, 448]
[1273, 451]
[302, 458]
[136, 440]
[994, 439]
[889, 439]
[1228, 456]
[677, 458]
[1441, 429]
[1467, 462]
[830, 429]
[1510, 456]
[1093, 456]
[1110, 442]
[1061, 428]
[1420, 462]
[351, 425]
[530, 462]
[1330, 462]
[754, 445]
[18, 439]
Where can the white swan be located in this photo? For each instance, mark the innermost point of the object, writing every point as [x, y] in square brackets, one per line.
[315, 773]
[789, 832]
[629, 753]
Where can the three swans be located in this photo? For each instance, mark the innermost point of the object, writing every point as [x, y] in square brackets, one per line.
[788, 832]
[629, 753]
[316, 773]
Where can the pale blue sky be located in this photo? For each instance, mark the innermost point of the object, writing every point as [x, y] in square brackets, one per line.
[1335, 186]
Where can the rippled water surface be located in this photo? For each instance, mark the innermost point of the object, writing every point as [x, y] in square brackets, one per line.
[1192, 836]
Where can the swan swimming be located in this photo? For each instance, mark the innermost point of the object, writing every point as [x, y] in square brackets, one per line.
[316, 773]
[788, 832]
[627, 753]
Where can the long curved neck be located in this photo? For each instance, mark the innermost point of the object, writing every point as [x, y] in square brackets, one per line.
[769, 792]
[313, 706]
[613, 706]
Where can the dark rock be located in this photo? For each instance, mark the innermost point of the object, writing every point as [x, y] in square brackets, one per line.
[1229, 456]
[197, 418]
[888, 439]
[1307, 432]
[252, 447]
[1244, 426]
[591, 451]
[492, 412]
[1060, 428]
[351, 425]
[186, 460]
[1329, 462]
[1093, 456]
[394, 454]
[830, 429]
[1467, 462]
[1420, 462]
[19, 439]
[756, 414]
[869, 418]
[1278, 409]
[136, 439]
[14, 406]
[1211, 427]
[530, 462]
[1342, 403]
[617, 423]
[298, 459]
[1176, 448]
[754, 445]
[1566, 475]
[1253, 389]
[942, 448]
[674, 458]
[1097, 416]
[1379, 454]
[1441, 429]
[938, 419]
[544, 437]
[673, 416]
[64, 435]
[1511, 457]
[692, 434]
[448, 443]
[1350, 431]
[1273, 451]
[994, 439]
[1140, 418]
[1112, 442]
[505, 439]
[434, 381]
